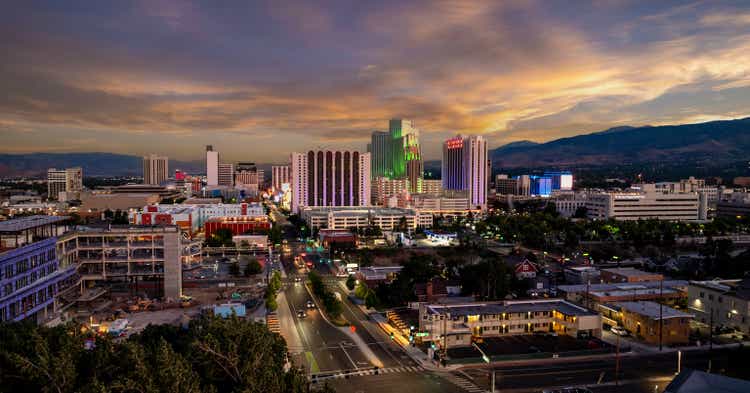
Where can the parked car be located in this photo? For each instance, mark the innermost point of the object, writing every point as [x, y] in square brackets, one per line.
[568, 390]
[619, 330]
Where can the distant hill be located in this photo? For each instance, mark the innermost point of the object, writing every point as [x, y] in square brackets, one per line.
[93, 164]
[707, 144]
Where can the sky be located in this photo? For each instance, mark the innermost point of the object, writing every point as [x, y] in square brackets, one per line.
[258, 80]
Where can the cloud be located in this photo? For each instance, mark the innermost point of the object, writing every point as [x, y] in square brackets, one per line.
[300, 74]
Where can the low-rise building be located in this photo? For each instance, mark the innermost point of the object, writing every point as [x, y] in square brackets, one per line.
[579, 293]
[374, 275]
[645, 319]
[457, 324]
[191, 217]
[582, 275]
[736, 204]
[628, 274]
[239, 225]
[723, 303]
[646, 202]
[363, 217]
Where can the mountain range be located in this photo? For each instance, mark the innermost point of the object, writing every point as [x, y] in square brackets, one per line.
[705, 144]
[710, 144]
[93, 164]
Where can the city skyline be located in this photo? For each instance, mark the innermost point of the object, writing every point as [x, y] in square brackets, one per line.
[169, 77]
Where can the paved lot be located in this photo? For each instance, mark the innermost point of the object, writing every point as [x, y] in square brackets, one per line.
[523, 344]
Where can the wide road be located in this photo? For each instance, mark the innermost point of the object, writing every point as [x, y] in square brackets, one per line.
[325, 347]
[639, 373]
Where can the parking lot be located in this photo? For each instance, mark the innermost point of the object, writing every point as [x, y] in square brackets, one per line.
[525, 344]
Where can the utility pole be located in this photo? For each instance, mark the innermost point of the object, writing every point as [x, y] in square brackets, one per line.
[711, 330]
[617, 362]
[661, 316]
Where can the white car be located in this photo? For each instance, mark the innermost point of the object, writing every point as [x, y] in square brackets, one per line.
[619, 330]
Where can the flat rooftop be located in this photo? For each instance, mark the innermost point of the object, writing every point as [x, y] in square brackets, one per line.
[515, 306]
[621, 286]
[634, 292]
[628, 272]
[29, 222]
[651, 310]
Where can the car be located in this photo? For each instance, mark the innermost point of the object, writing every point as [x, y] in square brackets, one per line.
[568, 390]
[297, 279]
[619, 330]
[310, 304]
[301, 314]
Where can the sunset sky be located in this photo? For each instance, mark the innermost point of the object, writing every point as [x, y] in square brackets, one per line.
[261, 79]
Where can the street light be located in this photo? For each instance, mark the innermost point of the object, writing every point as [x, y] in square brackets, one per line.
[487, 360]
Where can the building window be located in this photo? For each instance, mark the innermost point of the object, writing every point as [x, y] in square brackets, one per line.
[702, 295]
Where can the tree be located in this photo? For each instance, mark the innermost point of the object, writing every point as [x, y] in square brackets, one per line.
[581, 212]
[253, 267]
[351, 282]
[221, 237]
[234, 269]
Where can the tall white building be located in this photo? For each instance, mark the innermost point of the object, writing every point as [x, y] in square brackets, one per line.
[155, 169]
[465, 167]
[68, 180]
[212, 166]
[330, 178]
[279, 176]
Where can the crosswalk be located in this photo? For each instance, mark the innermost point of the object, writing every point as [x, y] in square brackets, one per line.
[316, 377]
[463, 383]
[272, 320]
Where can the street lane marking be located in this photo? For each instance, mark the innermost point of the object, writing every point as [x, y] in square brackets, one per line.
[313, 364]
[348, 357]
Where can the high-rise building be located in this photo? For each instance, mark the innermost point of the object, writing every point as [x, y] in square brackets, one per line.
[212, 166]
[406, 153]
[505, 185]
[380, 154]
[465, 167]
[226, 175]
[561, 181]
[524, 185]
[279, 176]
[452, 171]
[155, 169]
[540, 186]
[477, 172]
[330, 178]
[68, 180]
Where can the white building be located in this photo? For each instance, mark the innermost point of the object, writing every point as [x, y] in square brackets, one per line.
[212, 166]
[465, 167]
[192, 217]
[723, 303]
[155, 169]
[354, 217]
[645, 203]
[68, 180]
[330, 178]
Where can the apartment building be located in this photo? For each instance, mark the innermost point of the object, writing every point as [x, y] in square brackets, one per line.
[456, 324]
[721, 303]
[628, 274]
[645, 319]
